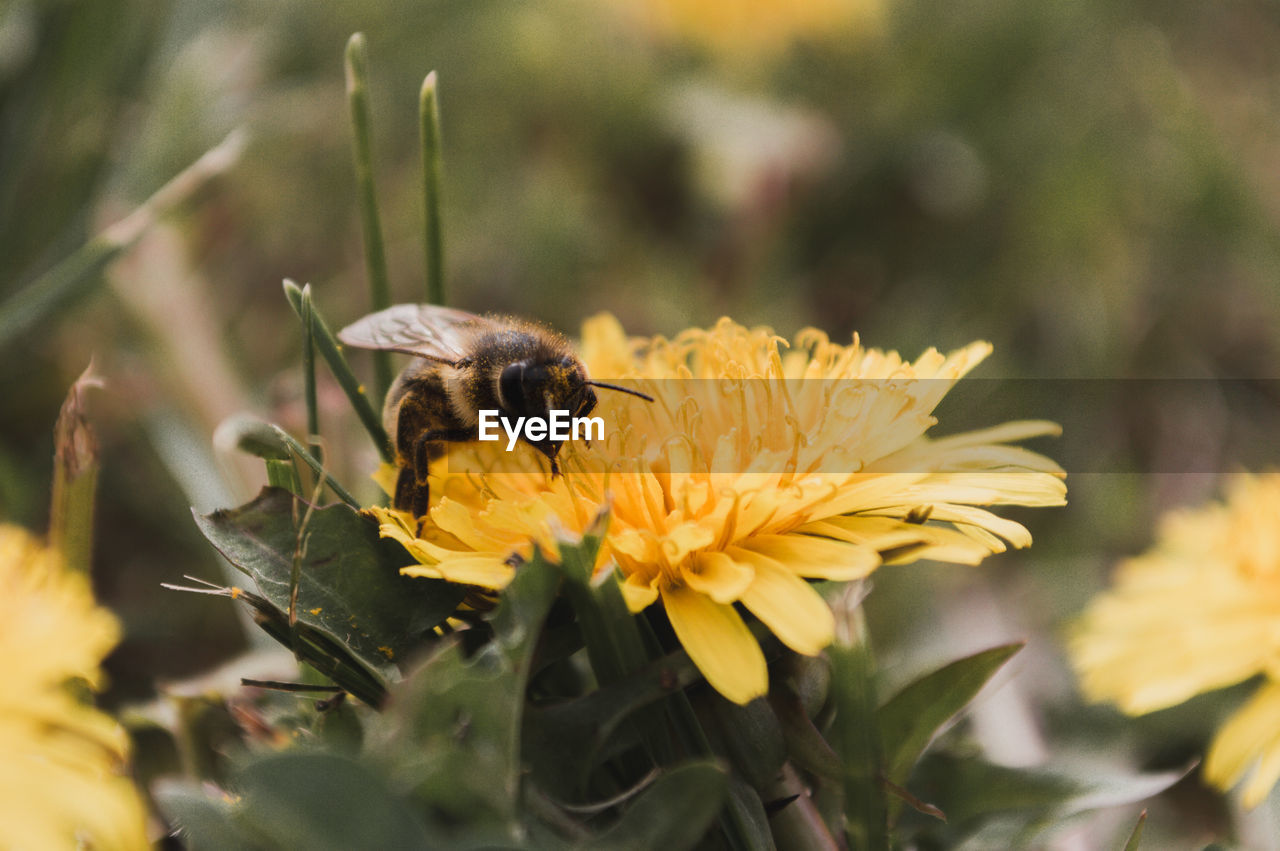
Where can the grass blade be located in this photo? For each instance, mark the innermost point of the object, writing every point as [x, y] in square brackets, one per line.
[278, 447]
[429, 128]
[75, 478]
[375, 255]
[309, 373]
[284, 474]
[331, 351]
[76, 275]
[1135, 838]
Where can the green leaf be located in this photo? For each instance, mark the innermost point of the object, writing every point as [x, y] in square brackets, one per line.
[451, 730]
[322, 801]
[809, 678]
[284, 474]
[618, 645]
[674, 813]
[1016, 807]
[349, 588]
[272, 443]
[614, 644]
[1135, 838]
[753, 738]
[750, 823]
[341, 728]
[204, 822]
[806, 746]
[616, 649]
[326, 654]
[562, 741]
[250, 434]
[911, 718]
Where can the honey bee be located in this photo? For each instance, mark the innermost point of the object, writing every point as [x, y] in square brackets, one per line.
[467, 364]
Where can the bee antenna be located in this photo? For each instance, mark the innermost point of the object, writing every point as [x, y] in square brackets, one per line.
[644, 396]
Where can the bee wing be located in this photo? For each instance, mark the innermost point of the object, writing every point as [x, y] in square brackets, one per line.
[425, 330]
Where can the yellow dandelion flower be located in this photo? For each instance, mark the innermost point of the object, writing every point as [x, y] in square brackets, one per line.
[1197, 612]
[757, 469]
[755, 27]
[60, 760]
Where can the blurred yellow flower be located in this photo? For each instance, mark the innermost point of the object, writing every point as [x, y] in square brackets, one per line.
[1199, 611]
[61, 760]
[753, 27]
[778, 467]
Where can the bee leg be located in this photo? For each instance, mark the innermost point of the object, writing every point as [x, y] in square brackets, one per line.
[421, 499]
[412, 491]
[411, 495]
[413, 478]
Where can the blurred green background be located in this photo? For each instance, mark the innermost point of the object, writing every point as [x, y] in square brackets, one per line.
[1092, 186]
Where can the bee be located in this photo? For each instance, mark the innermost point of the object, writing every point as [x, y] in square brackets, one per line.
[465, 364]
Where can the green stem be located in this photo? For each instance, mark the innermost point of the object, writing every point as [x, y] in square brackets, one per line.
[317, 651]
[331, 351]
[429, 130]
[855, 733]
[375, 255]
[78, 274]
[75, 478]
[316, 467]
[799, 825]
[309, 373]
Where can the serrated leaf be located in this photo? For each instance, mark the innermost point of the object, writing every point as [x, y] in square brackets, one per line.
[673, 814]
[451, 730]
[350, 587]
[909, 720]
[323, 801]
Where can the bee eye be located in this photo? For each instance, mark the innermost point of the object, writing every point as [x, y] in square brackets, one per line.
[511, 387]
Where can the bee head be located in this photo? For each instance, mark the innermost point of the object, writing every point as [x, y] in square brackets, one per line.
[534, 388]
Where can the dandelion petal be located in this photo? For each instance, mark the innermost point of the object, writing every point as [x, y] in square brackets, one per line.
[821, 558]
[787, 604]
[718, 576]
[719, 643]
